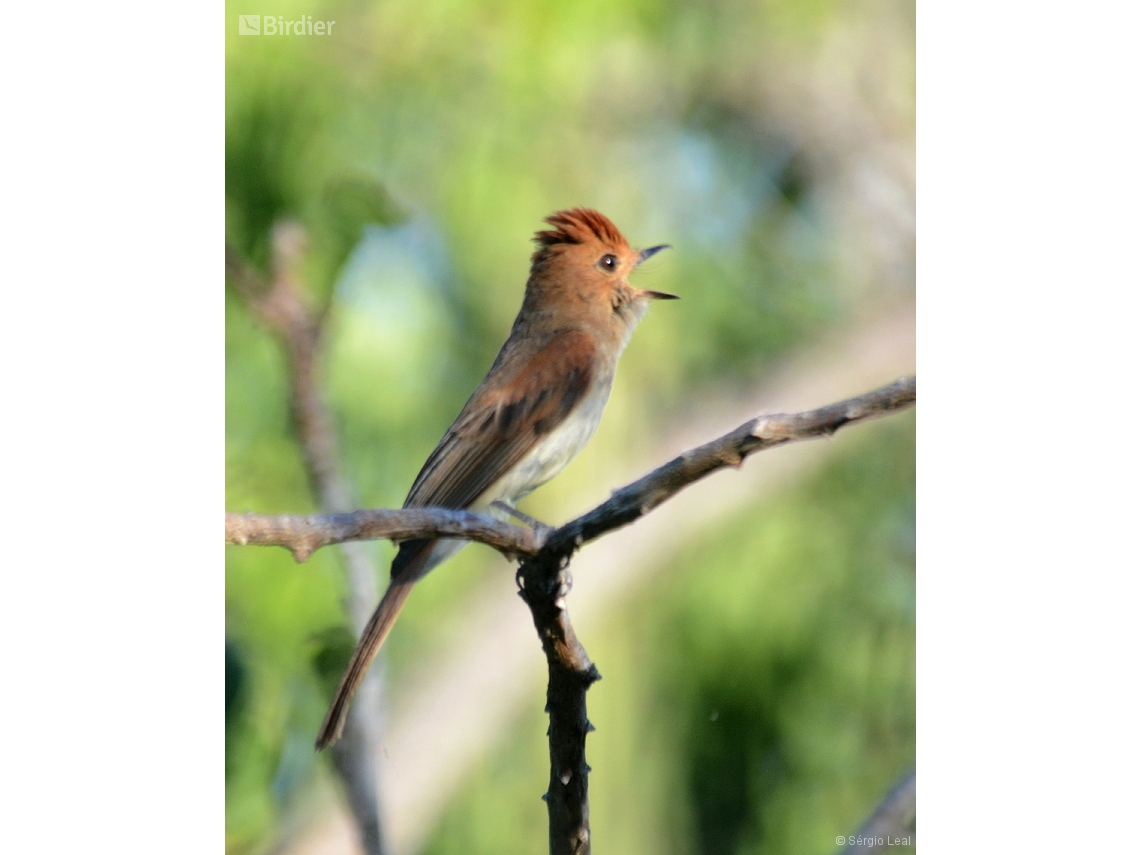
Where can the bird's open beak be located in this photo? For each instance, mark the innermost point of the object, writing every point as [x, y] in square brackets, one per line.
[647, 254]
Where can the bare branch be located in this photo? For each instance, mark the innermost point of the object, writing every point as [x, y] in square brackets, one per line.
[304, 535]
[639, 498]
[282, 306]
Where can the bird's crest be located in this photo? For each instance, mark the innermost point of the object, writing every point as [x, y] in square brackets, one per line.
[574, 226]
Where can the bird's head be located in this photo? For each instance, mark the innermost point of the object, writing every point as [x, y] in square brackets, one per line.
[581, 268]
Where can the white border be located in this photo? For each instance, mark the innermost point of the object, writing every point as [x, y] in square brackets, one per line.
[113, 597]
[1027, 235]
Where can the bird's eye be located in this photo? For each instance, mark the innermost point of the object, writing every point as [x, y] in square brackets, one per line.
[608, 263]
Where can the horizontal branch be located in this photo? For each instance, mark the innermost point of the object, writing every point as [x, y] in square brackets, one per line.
[282, 305]
[304, 535]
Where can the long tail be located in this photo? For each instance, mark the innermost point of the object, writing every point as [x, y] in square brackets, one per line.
[405, 573]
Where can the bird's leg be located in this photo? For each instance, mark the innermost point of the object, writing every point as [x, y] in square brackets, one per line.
[539, 527]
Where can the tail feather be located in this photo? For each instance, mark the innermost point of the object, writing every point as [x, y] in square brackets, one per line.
[369, 645]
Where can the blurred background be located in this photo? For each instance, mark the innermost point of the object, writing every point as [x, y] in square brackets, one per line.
[757, 635]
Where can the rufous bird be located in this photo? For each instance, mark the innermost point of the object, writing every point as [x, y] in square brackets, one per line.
[535, 410]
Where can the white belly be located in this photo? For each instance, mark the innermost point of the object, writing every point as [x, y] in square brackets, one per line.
[551, 455]
[547, 459]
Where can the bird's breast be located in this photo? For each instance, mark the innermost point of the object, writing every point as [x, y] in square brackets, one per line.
[557, 449]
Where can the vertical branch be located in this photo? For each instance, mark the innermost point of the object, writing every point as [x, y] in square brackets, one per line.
[543, 585]
[281, 305]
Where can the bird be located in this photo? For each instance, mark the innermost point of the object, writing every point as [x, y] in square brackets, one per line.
[538, 406]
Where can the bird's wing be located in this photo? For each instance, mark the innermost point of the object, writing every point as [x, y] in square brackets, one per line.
[519, 403]
[504, 420]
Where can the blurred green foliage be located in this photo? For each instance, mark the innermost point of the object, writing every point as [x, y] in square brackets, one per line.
[420, 146]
